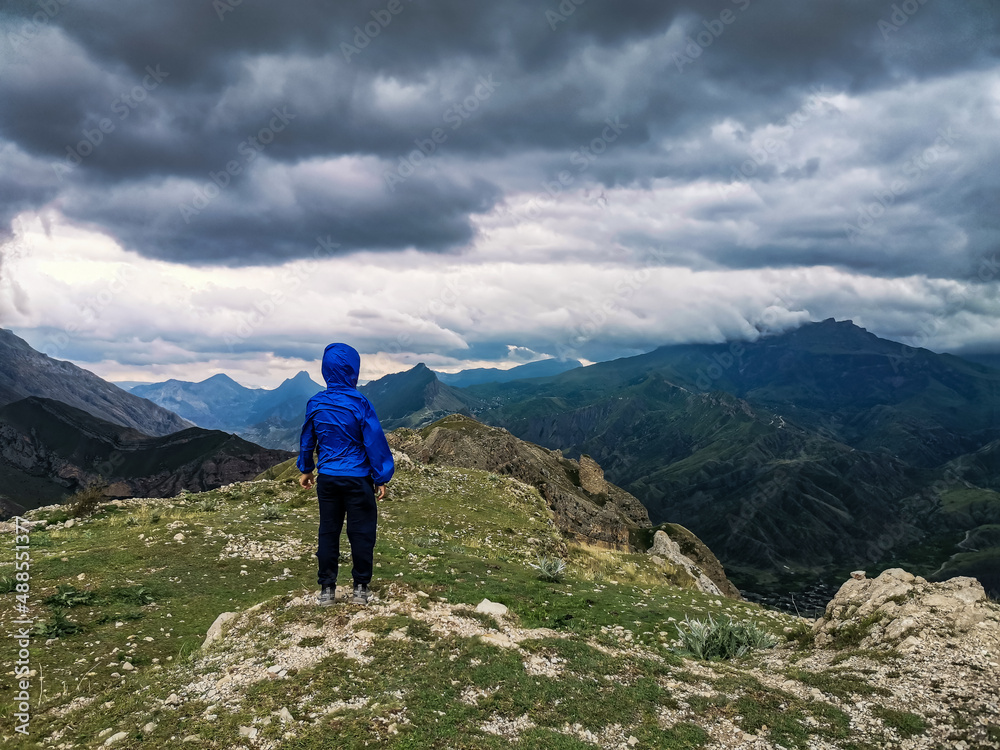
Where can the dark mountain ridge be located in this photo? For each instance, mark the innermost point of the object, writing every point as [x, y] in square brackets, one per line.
[415, 397]
[49, 449]
[25, 372]
[476, 376]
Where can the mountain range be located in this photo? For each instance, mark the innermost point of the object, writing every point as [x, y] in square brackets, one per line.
[539, 369]
[794, 457]
[270, 418]
[62, 429]
[273, 418]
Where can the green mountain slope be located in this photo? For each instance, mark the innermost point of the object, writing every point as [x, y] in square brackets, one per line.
[763, 494]
[798, 456]
[831, 377]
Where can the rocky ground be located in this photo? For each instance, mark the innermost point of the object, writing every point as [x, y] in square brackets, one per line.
[196, 626]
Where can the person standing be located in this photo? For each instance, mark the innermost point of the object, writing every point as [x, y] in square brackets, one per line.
[355, 464]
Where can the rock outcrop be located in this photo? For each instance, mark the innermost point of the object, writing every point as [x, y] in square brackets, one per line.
[603, 515]
[665, 548]
[900, 610]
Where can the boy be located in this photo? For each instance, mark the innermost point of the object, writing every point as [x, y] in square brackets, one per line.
[355, 463]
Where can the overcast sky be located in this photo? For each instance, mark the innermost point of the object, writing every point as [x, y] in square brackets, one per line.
[191, 187]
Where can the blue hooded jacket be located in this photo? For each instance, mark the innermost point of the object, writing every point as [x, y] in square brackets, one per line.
[342, 422]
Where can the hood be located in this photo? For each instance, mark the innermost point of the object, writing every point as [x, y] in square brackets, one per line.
[341, 365]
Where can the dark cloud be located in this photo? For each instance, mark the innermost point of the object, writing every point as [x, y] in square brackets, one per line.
[174, 93]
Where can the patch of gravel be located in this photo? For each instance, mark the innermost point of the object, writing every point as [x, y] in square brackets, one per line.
[503, 726]
[248, 548]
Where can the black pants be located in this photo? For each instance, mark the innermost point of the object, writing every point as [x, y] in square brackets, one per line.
[355, 498]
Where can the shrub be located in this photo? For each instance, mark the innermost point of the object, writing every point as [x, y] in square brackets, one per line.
[725, 639]
[137, 595]
[272, 512]
[57, 626]
[851, 633]
[7, 584]
[68, 596]
[208, 505]
[85, 501]
[549, 568]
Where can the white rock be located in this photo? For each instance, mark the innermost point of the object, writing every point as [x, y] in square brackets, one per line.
[910, 644]
[173, 700]
[114, 738]
[149, 728]
[178, 537]
[491, 608]
[285, 715]
[498, 639]
[248, 732]
[215, 631]
[127, 666]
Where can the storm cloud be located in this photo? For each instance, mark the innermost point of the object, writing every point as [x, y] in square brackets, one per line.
[577, 143]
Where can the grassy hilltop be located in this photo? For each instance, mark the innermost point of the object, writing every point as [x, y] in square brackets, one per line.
[125, 598]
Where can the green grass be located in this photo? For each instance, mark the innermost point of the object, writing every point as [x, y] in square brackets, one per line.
[137, 595]
[775, 714]
[906, 724]
[852, 632]
[838, 682]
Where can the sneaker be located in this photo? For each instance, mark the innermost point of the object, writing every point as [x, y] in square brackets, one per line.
[327, 596]
[361, 593]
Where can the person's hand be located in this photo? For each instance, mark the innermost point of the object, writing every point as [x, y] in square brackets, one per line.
[380, 491]
[306, 480]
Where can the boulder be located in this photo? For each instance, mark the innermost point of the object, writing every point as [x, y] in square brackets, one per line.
[215, 631]
[898, 608]
[491, 608]
[665, 548]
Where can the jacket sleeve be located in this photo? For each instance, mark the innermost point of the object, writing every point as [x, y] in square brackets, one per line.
[307, 444]
[377, 447]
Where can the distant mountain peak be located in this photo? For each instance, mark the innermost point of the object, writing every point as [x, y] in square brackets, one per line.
[538, 369]
[833, 322]
[220, 378]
